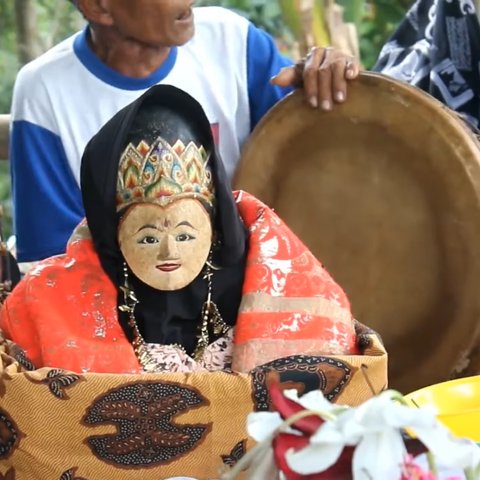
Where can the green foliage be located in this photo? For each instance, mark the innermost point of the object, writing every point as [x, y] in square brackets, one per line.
[264, 13]
[5, 199]
[375, 20]
[8, 58]
[55, 21]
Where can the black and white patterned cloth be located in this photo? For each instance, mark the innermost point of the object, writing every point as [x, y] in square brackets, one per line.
[437, 48]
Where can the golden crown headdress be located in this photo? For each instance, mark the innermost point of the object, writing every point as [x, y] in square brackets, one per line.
[158, 172]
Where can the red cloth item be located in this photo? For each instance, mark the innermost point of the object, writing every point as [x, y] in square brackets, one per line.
[64, 312]
[290, 303]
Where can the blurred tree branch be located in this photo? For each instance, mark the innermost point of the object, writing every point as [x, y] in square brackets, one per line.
[26, 30]
[57, 16]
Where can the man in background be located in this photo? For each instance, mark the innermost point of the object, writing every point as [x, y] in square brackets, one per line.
[437, 48]
[62, 98]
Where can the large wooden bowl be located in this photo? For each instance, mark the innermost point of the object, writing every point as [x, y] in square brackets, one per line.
[385, 190]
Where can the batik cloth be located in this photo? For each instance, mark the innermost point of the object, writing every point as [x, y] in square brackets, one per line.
[59, 425]
[437, 48]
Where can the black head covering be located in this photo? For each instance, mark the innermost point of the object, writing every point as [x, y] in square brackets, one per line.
[173, 316]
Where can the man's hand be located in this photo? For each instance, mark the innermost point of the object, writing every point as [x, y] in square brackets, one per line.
[323, 74]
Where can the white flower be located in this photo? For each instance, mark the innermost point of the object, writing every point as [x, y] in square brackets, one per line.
[375, 429]
[314, 401]
[261, 425]
[451, 451]
[320, 454]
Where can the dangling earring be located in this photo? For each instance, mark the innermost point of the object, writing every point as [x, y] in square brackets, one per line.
[209, 262]
[211, 265]
[210, 314]
[144, 357]
[210, 317]
[129, 298]
[130, 302]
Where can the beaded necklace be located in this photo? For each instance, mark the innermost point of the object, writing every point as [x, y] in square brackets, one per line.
[210, 318]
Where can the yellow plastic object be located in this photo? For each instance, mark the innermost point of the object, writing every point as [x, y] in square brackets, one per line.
[457, 403]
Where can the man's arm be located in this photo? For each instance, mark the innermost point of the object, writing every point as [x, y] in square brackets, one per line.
[47, 202]
[264, 61]
[323, 74]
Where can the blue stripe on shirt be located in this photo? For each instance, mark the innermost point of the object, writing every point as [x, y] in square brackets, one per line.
[41, 177]
[106, 74]
[263, 62]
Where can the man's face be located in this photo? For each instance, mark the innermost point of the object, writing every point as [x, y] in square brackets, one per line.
[153, 23]
[166, 247]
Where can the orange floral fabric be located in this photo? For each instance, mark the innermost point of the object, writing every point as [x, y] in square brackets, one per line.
[64, 314]
[290, 303]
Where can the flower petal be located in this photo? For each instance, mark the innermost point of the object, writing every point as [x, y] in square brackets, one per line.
[379, 456]
[261, 425]
[452, 451]
[281, 445]
[314, 458]
[313, 400]
[328, 433]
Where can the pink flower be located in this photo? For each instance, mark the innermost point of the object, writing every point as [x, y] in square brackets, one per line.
[412, 471]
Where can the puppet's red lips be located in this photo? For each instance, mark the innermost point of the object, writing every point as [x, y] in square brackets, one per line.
[168, 267]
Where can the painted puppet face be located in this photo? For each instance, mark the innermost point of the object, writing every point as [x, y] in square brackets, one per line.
[166, 246]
